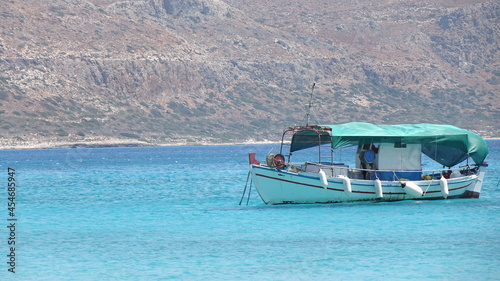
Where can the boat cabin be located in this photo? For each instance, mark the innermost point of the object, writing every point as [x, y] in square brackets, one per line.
[390, 161]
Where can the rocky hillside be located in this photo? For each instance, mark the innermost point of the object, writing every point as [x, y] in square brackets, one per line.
[172, 71]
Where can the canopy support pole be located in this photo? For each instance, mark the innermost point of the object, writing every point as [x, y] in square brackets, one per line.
[310, 104]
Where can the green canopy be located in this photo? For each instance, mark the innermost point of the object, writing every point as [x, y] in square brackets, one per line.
[446, 144]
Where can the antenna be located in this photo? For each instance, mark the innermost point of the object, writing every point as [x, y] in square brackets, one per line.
[310, 104]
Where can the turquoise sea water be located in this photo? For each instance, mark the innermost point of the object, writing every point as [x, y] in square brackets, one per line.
[172, 213]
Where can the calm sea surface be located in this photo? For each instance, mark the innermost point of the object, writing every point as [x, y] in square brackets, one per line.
[162, 213]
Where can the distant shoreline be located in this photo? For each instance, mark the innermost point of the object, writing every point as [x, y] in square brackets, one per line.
[117, 143]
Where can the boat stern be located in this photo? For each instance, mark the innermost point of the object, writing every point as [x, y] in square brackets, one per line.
[475, 189]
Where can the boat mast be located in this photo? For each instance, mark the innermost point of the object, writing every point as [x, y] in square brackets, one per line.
[310, 104]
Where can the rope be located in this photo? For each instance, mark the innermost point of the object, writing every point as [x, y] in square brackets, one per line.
[428, 186]
[245, 189]
[249, 191]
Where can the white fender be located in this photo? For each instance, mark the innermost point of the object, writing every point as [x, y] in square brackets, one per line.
[444, 187]
[347, 183]
[322, 177]
[412, 189]
[378, 189]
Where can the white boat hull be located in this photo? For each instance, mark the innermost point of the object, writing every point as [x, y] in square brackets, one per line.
[283, 187]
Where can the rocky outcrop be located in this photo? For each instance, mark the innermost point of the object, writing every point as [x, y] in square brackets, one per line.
[179, 8]
[465, 31]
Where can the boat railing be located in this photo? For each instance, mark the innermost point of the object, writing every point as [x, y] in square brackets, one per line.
[340, 169]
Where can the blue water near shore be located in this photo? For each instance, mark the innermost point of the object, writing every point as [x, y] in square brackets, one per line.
[172, 213]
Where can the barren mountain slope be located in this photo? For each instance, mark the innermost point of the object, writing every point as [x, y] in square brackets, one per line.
[232, 70]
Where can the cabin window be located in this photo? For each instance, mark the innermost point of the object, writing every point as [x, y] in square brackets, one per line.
[399, 145]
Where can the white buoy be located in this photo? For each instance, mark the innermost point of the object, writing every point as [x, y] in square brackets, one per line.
[378, 189]
[347, 183]
[322, 177]
[444, 187]
[412, 189]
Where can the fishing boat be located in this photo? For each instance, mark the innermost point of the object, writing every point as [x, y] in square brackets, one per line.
[387, 165]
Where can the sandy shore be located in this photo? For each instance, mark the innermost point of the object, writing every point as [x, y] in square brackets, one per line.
[109, 142]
